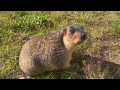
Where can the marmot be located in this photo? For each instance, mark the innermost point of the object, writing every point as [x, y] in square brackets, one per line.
[50, 52]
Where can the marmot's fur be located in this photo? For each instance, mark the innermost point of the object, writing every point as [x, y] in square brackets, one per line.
[50, 52]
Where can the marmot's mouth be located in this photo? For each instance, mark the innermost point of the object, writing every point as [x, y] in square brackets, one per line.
[78, 42]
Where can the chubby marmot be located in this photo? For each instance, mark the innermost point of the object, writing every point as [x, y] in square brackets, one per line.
[50, 52]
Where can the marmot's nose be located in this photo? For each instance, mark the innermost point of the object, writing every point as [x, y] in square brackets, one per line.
[83, 37]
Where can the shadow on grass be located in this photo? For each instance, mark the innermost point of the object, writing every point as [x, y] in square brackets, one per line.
[102, 69]
[85, 67]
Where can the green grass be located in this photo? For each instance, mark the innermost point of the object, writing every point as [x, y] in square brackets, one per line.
[103, 28]
[115, 27]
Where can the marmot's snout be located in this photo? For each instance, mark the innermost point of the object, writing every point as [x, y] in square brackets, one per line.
[83, 36]
[78, 33]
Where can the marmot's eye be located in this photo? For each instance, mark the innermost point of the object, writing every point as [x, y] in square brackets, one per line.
[72, 31]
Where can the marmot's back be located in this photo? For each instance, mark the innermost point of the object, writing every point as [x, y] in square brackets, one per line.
[50, 52]
[42, 54]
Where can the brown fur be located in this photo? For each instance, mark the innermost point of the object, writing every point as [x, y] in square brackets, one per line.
[49, 52]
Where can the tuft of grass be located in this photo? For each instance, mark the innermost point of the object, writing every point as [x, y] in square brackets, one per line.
[32, 22]
[115, 27]
[10, 59]
[97, 34]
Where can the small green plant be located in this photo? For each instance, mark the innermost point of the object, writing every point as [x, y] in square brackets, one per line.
[28, 22]
[115, 27]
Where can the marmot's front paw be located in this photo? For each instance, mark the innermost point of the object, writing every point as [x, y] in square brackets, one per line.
[28, 77]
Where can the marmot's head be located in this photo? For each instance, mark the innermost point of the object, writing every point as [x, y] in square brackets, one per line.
[74, 34]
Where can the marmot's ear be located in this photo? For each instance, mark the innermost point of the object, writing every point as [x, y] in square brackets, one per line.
[64, 31]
